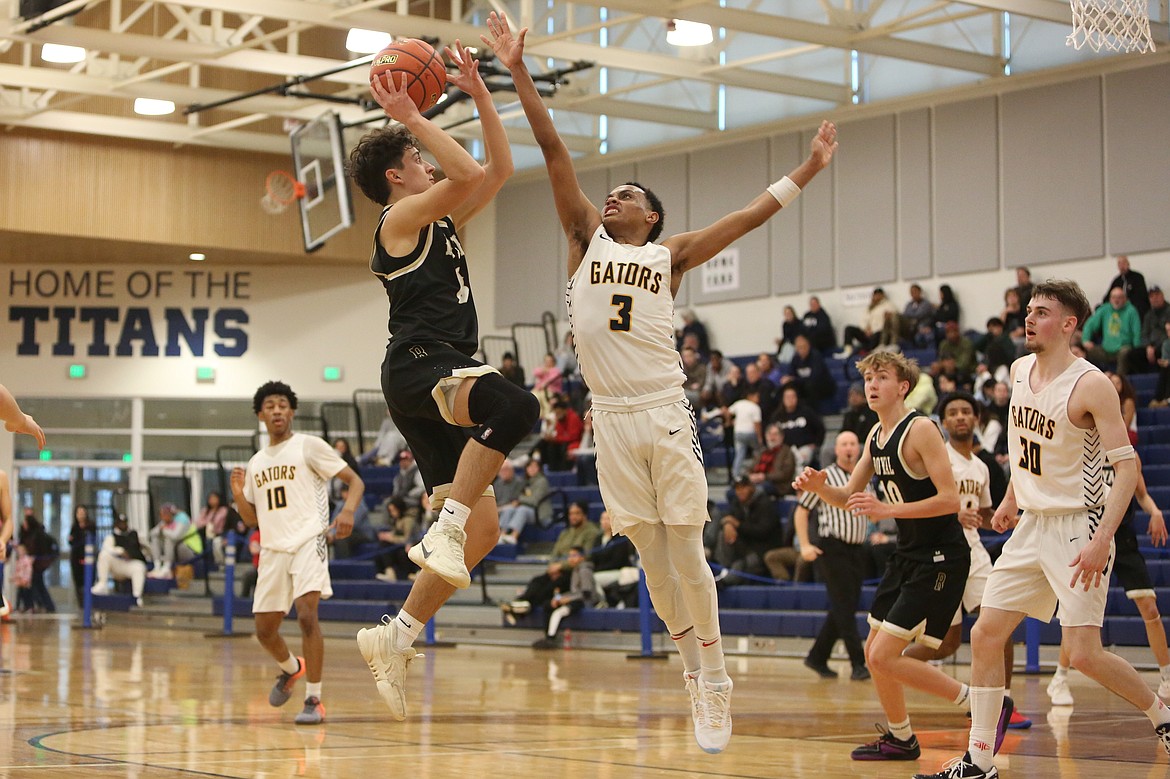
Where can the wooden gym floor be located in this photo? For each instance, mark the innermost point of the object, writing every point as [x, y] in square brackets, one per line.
[143, 701]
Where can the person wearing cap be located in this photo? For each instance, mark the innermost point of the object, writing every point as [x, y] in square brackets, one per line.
[172, 541]
[1153, 329]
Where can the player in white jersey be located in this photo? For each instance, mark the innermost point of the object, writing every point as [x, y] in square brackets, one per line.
[621, 309]
[285, 491]
[1063, 423]
[959, 413]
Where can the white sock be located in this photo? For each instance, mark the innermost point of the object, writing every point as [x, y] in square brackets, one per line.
[964, 692]
[291, 665]
[1159, 714]
[901, 730]
[313, 689]
[1061, 671]
[986, 703]
[408, 629]
[454, 513]
[1164, 670]
[711, 652]
[688, 646]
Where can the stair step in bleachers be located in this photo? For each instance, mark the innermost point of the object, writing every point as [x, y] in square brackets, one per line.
[1153, 416]
[1155, 454]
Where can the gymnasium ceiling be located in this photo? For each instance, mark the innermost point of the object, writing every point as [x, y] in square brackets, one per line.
[771, 63]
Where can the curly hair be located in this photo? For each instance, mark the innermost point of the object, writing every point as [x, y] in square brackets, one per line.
[375, 153]
[273, 388]
[656, 207]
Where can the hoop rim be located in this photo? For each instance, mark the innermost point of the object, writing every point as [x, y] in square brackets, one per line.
[283, 188]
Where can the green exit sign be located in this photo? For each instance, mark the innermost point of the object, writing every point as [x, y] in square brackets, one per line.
[77, 371]
[331, 373]
[46, 454]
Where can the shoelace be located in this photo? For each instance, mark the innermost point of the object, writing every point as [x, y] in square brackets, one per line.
[720, 703]
[954, 768]
[698, 710]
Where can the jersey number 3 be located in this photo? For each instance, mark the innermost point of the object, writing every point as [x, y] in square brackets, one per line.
[624, 305]
[1030, 456]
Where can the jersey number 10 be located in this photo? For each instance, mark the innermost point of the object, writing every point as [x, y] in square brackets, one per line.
[276, 498]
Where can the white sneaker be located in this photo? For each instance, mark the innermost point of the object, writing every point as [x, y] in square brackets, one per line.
[1058, 691]
[441, 552]
[138, 602]
[99, 589]
[387, 664]
[716, 729]
[698, 710]
[1164, 688]
[387, 575]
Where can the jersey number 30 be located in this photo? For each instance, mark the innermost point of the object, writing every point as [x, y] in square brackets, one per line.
[1030, 456]
[276, 498]
[624, 305]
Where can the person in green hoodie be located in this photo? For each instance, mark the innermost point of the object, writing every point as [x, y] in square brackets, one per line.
[1111, 332]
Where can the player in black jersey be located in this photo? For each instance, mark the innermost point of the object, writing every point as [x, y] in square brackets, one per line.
[460, 417]
[925, 577]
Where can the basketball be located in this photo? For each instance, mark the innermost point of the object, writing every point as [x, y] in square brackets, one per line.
[418, 64]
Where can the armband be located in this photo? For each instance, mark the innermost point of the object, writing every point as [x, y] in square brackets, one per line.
[784, 190]
[1120, 453]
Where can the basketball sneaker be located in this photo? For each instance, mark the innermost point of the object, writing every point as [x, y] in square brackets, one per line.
[1164, 688]
[314, 713]
[1058, 691]
[387, 664]
[1019, 721]
[441, 552]
[282, 690]
[1163, 732]
[698, 710]
[962, 768]
[714, 731]
[888, 747]
[1005, 716]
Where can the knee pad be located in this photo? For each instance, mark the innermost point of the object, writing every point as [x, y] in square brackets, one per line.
[504, 412]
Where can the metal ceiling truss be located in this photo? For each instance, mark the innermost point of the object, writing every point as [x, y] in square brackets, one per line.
[246, 59]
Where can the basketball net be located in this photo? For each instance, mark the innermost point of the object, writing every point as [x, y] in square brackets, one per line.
[282, 190]
[1114, 25]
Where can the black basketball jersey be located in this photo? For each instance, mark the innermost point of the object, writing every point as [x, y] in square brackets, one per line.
[927, 539]
[429, 289]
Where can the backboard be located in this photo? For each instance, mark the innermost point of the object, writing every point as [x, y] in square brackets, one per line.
[318, 153]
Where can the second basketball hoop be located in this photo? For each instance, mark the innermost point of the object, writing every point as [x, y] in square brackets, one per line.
[281, 191]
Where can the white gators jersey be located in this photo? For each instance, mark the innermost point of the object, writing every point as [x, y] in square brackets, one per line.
[621, 312]
[974, 482]
[1057, 468]
[289, 485]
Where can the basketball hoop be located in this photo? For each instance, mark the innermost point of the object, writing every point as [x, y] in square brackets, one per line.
[282, 191]
[1114, 25]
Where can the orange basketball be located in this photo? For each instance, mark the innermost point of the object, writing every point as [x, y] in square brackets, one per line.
[418, 64]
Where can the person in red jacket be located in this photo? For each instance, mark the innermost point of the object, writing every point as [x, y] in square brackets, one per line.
[560, 437]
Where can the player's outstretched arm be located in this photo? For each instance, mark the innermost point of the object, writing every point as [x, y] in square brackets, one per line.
[463, 175]
[692, 249]
[579, 218]
[497, 165]
[16, 421]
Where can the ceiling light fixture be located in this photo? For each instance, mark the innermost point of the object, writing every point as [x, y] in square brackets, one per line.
[361, 41]
[680, 32]
[197, 256]
[62, 54]
[148, 106]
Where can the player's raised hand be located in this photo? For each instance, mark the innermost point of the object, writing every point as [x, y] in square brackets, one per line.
[394, 98]
[468, 78]
[866, 504]
[509, 50]
[237, 480]
[28, 426]
[809, 479]
[824, 144]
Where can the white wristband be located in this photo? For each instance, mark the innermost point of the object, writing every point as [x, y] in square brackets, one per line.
[1121, 453]
[784, 190]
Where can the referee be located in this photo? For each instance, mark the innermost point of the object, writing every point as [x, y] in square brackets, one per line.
[840, 561]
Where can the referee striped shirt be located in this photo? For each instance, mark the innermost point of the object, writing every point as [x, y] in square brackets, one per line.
[833, 522]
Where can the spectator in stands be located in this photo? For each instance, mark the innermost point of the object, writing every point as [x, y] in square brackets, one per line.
[748, 530]
[579, 532]
[614, 560]
[997, 348]
[735, 386]
[692, 326]
[388, 443]
[809, 372]
[408, 485]
[946, 312]
[341, 446]
[858, 417]
[249, 574]
[534, 494]
[958, 346]
[790, 327]
[79, 535]
[22, 575]
[1153, 330]
[989, 429]
[839, 557]
[508, 488]
[1128, 397]
[923, 396]
[1023, 287]
[818, 327]
[567, 358]
[547, 382]
[1112, 331]
[754, 380]
[212, 521]
[45, 553]
[392, 562]
[718, 370]
[769, 369]
[1162, 391]
[879, 326]
[560, 437]
[694, 376]
[539, 592]
[173, 541]
[121, 557]
[748, 432]
[774, 469]
[918, 319]
[1001, 395]
[804, 430]
[511, 370]
[1012, 317]
[582, 592]
[363, 530]
[1132, 283]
